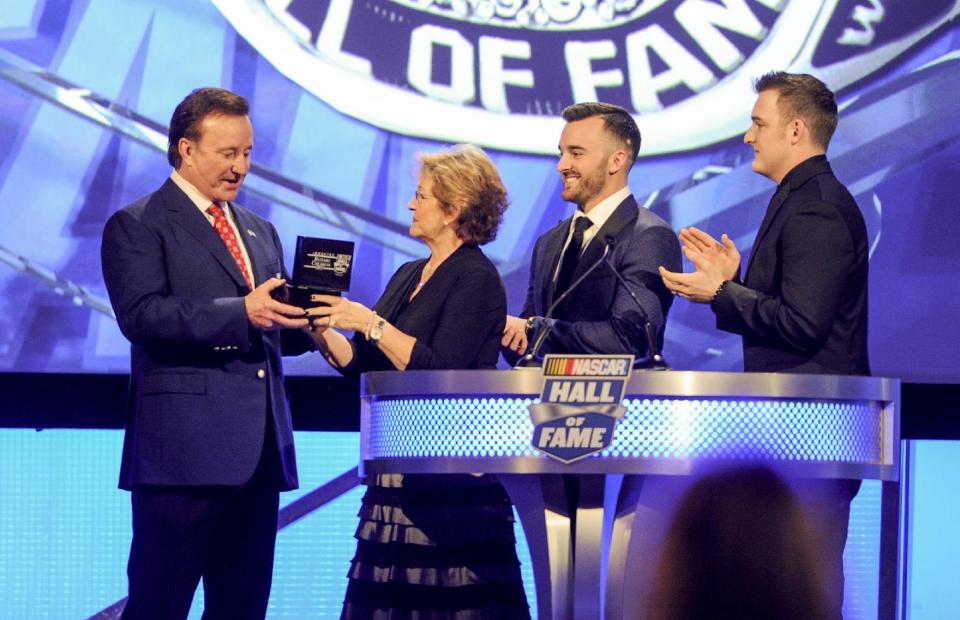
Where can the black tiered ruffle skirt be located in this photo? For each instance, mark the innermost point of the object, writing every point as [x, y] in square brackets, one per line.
[435, 547]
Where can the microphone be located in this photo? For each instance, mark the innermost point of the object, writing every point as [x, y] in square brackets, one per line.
[530, 358]
[655, 361]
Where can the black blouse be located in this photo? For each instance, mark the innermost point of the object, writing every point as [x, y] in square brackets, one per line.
[457, 319]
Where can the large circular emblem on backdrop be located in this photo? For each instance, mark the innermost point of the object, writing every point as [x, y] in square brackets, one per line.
[498, 72]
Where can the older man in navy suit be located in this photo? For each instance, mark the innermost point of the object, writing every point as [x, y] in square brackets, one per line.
[598, 146]
[208, 443]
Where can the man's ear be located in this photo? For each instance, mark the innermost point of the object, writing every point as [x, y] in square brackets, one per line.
[617, 160]
[185, 148]
[798, 130]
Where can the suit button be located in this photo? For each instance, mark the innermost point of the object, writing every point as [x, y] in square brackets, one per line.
[261, 373]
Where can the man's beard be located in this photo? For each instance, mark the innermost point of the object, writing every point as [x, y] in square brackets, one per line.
[589, 185]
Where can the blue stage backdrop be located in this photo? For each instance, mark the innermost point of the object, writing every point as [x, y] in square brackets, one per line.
[344, 94]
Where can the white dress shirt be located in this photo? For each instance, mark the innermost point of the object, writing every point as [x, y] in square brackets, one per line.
[203, 203]
[598, 216]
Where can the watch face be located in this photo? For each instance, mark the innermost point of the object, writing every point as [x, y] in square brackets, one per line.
[377, 330]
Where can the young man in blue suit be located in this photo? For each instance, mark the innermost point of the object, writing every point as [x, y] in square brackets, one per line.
[598, 146]
[208, 443]
[801, 306]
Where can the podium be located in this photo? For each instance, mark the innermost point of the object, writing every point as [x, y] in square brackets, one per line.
[586, 553]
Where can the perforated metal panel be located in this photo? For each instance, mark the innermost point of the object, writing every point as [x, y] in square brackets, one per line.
[671, 428]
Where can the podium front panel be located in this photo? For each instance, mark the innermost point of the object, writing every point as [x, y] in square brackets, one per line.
[676, 422]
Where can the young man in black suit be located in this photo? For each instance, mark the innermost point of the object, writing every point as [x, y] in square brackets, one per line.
[802, 305]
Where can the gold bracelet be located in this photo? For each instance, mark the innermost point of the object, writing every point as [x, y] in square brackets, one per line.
[366, 333]
[716, 294]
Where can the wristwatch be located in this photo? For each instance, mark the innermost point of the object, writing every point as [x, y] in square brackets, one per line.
[531, 326]
[376, 330]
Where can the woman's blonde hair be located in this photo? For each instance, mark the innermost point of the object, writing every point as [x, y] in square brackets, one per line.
[465, 180]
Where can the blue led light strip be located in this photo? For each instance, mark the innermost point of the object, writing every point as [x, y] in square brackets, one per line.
[670, 428]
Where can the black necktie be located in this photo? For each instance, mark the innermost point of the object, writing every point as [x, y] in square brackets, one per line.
[568, 263]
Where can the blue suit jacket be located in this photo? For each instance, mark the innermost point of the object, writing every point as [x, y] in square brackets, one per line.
[599, 316]
[202, 381]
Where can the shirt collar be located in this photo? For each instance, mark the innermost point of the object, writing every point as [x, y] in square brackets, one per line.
[799, 174]
[600, 213]
[194, 194]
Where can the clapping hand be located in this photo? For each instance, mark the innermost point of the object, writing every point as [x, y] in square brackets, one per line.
[715, 263]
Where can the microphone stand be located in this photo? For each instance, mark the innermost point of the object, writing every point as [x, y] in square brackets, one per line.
[530, 358]
[655, 361]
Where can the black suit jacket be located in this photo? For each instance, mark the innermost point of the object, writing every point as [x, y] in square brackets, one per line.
[599, 316]
[202, 381]
[802, 306]
[457, 318]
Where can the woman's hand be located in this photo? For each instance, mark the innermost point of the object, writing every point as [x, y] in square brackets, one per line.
[340, 313]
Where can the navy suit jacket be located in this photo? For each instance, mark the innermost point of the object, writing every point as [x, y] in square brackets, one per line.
[203, 382]
[802, 306]
[599, 316]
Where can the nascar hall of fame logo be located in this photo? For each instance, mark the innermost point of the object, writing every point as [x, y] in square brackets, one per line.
[580, 404]
[498, 72]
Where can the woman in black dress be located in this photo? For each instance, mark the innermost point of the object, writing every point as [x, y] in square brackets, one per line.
[433, 546]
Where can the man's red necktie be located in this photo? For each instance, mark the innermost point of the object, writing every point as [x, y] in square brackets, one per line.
[229, 238]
